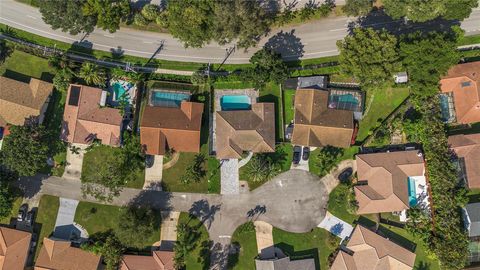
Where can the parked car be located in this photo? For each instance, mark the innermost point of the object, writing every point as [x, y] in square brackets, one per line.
[306, 153]
[345, 175]
[297, 152]
[22, 212]
[30, 218]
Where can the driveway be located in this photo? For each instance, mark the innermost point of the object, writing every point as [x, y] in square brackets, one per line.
[73, 170]
[153, 175]
[264, 236]
[168, 230]
[64, 222]
[229, 176]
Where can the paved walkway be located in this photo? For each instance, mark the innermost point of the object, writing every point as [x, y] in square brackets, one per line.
[73, 170]
[336, 226]
[331, 180]
[229, 176]
[153, 175]
[244, 161]
[264, 236]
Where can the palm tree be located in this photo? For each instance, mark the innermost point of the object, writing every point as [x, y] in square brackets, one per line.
[261, 168]
[92, 74]
[185, 243]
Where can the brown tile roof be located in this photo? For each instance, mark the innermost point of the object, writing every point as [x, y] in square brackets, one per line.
[245, 130]
[387, 180]
[60, 255]
[19, 100]
[467, 98]
[88, 119]
[14, 247]
[316, 124]
[175, 128]
[160, 260]
[371, 251]
[468, 148]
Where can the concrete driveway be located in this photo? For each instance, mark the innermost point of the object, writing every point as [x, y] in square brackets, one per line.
[264, 236]
[64, 222]
[229, 176]
[73, 170]
[153, 175]
[168, 230]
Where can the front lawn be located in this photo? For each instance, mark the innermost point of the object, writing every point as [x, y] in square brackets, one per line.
[288, 105]
[46, 217]
[15, 206]
[99, 154]
[317, 244]
[379, 104]
[244, 236]
[96, 218]
[199, 257]
[338, 203]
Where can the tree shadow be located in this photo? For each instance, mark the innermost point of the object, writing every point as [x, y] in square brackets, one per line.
[257, 211]
[117, 53]
[204, 211]
[30, 186]
[378, 20]
[396, 238]
[290, 251]
[422, 266]
[16, 76]
[287, 44]
[84, 47]
[157, 200]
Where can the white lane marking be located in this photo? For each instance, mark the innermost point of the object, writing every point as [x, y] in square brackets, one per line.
[30, 16]
[224, 236]
[339, 29]
[108, 35]
[147, 42]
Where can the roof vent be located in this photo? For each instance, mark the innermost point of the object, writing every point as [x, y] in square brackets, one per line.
[419, 154]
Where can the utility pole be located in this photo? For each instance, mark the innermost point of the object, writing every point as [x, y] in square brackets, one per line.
[228, 52]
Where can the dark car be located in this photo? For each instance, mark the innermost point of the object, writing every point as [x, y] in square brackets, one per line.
[297, 152]
[22, 212]
[149, 160]
[306, 153]
[345, 175]
[30, 218]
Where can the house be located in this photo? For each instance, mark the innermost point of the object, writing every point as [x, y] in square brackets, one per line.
[19, 100]
[250, 130]
[467, 149]
[317, 124]
[160, 260]
[284, 264]
[171, 127]
[471, 214]
[86, 118]
[59, 254]
[367, 250]
[14, 248]
[390, 182]
[461, 93]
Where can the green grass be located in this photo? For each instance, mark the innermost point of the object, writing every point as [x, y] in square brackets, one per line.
[467, 40]
[385, 101]
[314, 244]
[271, 93]
[17, 202]
[338, 204]
[46, 217]
[232, 85]
[99, 154]
[33, 3]
[244, 236]
[106, 217]
[473, 195]
[199, 258]
[288, 105]
[283, 154]
[21, 66]
[313, 161]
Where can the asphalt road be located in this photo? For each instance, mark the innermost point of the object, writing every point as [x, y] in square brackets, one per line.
[305, 41]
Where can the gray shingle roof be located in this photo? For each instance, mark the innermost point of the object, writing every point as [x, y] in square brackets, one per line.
[473, 212]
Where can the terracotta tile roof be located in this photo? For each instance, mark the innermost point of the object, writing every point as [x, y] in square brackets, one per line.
[19, 100]
[60, 255]
[87, 119]
[14, 247]
[468, 148]
[463, 81]
[174, 128]
[245, 130]
[386, 175]
[372, 251]
[160, 260]
[316, 124]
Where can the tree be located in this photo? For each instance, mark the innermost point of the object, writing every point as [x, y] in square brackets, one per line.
[139, 20]
[370, 56]
[198, 77]
[5, 51]
[328, 157]
[150, 12]
[357, 7]
[191, 21]
[422, 11]
[109, 13]
[62, 79]
[195, 171]
[137, 222]
[244, 20]
[186, 242]
[67, 15]
[268, 66]
[261, 168]
[106, 245]
[26, 149]
[92, 74]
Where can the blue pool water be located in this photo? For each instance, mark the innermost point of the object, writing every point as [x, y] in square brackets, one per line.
[231, 103]
[444, 107]
[168, 99]
[412, 196]
[119, 90]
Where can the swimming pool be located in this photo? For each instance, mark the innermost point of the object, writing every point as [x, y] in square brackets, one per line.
[235, 102]
[120, 90]
[168, 99]
[412, 194]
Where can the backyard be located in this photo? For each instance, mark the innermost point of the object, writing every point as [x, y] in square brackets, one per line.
[317, 244]
[288, 105]
[244, 237]
[199, 257]
[96, 218]
[46, 217]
